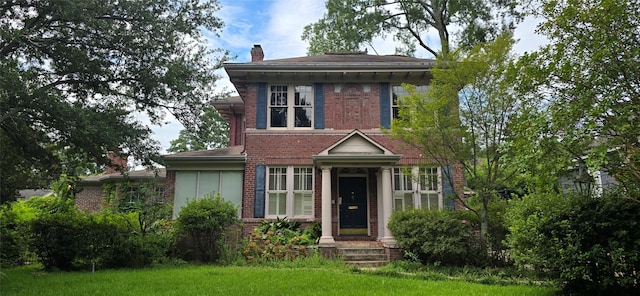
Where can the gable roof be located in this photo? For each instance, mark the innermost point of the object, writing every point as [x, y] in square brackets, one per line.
[356, 148]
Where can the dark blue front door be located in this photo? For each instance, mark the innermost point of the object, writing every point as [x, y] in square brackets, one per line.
[353, 209]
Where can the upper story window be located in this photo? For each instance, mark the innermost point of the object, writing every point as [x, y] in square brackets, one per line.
[397, 91]
[290, 106]
[419, 188]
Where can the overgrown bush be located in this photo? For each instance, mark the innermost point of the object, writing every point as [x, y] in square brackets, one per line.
[68, 239]
[202, 227]
[591, 245]
[438, 237]
[15, 227]
[279, 240]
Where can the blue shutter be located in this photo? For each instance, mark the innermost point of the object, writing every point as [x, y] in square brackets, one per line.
[385, 105]
[447, 187]
[259, 189]
[318, 106]
[261, 106]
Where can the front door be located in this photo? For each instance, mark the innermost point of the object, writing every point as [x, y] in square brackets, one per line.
[353, 206]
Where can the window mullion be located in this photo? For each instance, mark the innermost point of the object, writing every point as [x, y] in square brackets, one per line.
[291, 116]
[289, 189]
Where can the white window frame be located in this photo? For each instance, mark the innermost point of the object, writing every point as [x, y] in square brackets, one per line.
[397, 92]
[412, 185]
[291, 192]
[290, 105]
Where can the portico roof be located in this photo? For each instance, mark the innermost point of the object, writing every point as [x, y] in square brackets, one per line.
[356, 149]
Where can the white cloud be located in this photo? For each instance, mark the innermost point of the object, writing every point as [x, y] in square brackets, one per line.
[281, 37]
[527, 38]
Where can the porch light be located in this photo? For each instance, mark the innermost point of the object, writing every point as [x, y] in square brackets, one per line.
[583, 180]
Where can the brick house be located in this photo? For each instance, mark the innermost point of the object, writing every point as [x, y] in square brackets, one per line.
[307, 143]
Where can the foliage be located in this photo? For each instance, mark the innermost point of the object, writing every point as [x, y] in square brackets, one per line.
[203, 225]
[279, 240]
[68, 239]
[582, 91]
[348, 25]
[140, 199]
[74, 75]
[438, 237]
[590, 245]
[212, 133]
[464, 119]
[15, 231]
[65, 187]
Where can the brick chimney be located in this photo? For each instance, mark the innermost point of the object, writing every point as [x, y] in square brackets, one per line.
[117, 163]
[257, 55]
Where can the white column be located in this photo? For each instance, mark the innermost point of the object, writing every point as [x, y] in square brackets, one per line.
[387, 204]
[327, 237]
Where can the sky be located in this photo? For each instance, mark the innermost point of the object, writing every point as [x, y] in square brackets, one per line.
[277, 26]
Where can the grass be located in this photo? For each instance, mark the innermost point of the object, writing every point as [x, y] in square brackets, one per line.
[242, 280]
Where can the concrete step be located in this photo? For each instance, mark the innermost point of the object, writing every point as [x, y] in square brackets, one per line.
[362, 254]
[366, 264]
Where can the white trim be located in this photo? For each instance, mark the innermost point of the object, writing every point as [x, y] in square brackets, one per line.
[289, 192]
[290, 106]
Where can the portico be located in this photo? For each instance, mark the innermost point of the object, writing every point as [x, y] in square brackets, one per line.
[357, 196]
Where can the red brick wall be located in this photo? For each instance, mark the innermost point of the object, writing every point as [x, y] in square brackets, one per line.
[170, 186]
[351, 108]
[90, 199]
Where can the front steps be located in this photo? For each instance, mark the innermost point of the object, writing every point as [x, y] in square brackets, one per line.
[362, 254]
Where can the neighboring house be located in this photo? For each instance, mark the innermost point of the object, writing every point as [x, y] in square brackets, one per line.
[100, 191]
[29, 193]
[582, 179]
[307, 143]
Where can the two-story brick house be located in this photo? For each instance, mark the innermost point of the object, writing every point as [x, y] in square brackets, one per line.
[307, 143]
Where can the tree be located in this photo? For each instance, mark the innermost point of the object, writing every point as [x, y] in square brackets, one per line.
[583, 89]
[463, 119]
[348, 25]
[212, 133]
[75, 74]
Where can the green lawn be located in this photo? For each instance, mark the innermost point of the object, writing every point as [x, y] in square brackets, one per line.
[246, 281]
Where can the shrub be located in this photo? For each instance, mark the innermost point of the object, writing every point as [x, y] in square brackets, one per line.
[15, 227]
[202, 227]
[13, 242]
[440, 237]
[279, 240]
[69, 239]
[59, 238]
[590, 245]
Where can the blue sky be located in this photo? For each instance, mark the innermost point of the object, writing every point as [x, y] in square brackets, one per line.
[277, 25]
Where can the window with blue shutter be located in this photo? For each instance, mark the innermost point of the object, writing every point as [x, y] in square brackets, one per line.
[318, 106]
[385, 105]
[259, 189]
[447, 187]
[261, 106]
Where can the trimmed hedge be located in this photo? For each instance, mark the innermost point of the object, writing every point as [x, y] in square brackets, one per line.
[438, 237]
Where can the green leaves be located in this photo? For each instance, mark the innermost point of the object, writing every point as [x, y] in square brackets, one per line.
[589, 78]
[350, 25]
[75, 75]
[212, 131]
